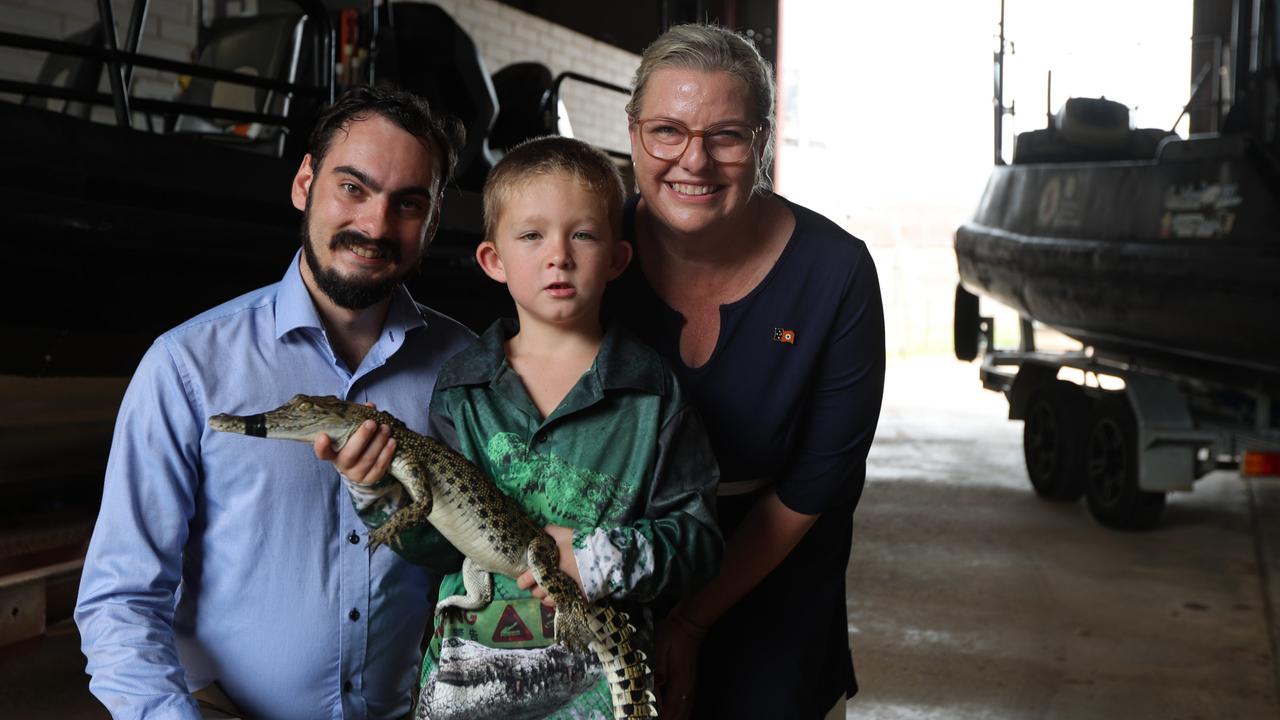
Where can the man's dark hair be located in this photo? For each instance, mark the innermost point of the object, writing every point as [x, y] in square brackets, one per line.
[442, 134]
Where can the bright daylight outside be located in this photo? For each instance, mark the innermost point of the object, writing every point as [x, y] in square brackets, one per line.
[886, 118]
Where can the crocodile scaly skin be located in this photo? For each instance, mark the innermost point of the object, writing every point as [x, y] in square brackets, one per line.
[486, 526]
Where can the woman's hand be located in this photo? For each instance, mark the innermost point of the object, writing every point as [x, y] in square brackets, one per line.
[366, 457]
[568, 564]
[679, 642]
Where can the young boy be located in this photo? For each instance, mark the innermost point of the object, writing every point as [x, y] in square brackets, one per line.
[581, 423]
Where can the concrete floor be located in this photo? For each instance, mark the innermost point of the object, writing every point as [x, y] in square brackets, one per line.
[970, 598]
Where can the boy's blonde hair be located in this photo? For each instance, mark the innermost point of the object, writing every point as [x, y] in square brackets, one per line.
[551, 155]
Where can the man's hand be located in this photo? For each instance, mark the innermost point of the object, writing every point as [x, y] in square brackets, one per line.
[568, 564]
[366, 457]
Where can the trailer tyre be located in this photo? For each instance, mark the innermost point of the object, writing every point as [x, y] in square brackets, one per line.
[1111, 484]
[1053, 440]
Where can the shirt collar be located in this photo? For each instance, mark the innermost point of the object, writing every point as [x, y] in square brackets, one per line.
[295, 309]
[623, 362]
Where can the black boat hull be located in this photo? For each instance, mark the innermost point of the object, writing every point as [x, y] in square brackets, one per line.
[1178, 257]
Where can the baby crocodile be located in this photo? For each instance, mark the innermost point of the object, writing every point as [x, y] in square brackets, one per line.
[486, 526]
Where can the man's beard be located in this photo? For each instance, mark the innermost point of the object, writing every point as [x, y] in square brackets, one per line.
[345, 292]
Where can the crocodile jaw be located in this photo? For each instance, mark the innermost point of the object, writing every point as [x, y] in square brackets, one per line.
[254, 425]
[303, 419]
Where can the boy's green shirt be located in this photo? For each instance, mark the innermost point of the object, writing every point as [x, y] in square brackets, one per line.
[623, 460]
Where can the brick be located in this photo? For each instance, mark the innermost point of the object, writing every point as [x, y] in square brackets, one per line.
[175, 10]
[178, 31]
[150, 26]
[156, 88]
[469, 17]
[20, 64]
[564, 34]
[509, 14]
[501, 60]
[72, 25]
[159, 47]
[501, 34]
[560, 58]
[31, 21]
[85, 12]
[103, 115]
[526, 33]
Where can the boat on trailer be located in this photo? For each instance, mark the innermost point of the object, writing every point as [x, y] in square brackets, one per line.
[1161, 255]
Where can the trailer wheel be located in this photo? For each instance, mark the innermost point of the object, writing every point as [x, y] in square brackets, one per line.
[1053, 440]
[966, 325]
[1111, 484]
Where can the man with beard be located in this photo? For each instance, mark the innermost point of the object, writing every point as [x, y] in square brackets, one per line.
[228, 577]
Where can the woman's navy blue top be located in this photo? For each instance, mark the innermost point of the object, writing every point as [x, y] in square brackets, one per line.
[790, 393]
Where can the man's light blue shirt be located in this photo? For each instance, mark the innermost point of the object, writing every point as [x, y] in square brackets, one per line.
[221, 557]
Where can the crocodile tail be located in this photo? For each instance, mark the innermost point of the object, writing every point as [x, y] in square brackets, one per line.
[625, 667]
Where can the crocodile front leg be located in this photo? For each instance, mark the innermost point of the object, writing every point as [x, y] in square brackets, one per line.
[413, 476]
[479, 585]
[571, 617]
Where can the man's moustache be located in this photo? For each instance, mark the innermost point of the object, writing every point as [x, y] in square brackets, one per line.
[348, 238]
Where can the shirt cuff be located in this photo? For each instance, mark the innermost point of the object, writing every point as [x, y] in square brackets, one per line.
[604, 568]
[386, 495]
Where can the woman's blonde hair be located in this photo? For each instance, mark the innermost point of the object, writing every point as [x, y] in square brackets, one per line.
[712, 48]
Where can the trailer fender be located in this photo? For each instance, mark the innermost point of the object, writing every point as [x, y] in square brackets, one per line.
[1032, 375]
[1167, 436]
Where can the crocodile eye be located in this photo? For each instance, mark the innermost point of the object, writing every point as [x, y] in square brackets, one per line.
[304, 406]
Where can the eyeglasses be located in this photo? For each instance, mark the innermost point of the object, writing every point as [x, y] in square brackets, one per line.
[726, 143]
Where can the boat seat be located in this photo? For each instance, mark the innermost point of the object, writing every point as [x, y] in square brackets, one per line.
[73, 72]
[1094, 123]
[436, 59]
[270, 46]
[523, 90]
[1144, 143]
[1089, 130]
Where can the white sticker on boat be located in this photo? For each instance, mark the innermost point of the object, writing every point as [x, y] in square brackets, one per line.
[1061, 203]
[1199, 210]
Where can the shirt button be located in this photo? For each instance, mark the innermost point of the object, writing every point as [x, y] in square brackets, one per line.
[346, 686]
[354, 614]
[353, 538]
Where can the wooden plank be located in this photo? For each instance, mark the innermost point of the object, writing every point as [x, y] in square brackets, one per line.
[23, 601]
[22, 610]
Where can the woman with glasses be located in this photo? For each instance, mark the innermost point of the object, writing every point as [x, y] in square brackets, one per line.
[771, 315]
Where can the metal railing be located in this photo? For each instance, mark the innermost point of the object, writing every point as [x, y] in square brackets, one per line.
[551, 102]
[121, 62]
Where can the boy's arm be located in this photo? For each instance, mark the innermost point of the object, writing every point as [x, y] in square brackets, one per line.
[676, 546]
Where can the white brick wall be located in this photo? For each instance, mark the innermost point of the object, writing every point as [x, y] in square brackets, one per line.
[503, 35]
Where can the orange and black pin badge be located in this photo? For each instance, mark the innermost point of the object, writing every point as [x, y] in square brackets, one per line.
[784, 335]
